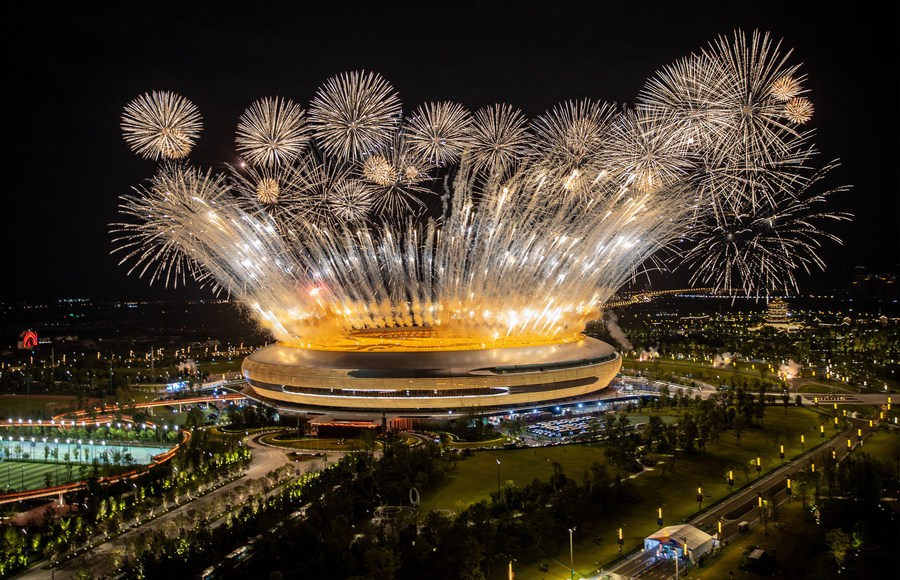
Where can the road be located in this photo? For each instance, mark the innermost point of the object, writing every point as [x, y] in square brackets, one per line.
[738, 507]
[99, 559]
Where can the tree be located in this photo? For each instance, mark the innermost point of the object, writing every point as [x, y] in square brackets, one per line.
[839, 544]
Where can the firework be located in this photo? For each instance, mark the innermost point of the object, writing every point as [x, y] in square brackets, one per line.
[786, 88]
[397, 177]
[354, 114]
[438, 132]
[799, 110]
[760, 249]
[272, 132]
[499, 138]
[161, 125]
[162, 243]
[539, 223]
[351, 200]
[651, 159]
[571, 141]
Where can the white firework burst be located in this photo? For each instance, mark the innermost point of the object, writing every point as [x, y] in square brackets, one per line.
[648, 156]
[499, 138]
[438, 132]
[272, 132]
[398, 178]
[571, 141]
[798, 110]
[351, 200]
[161, 243]
[354, 114]
[161, 125]
[759, 248]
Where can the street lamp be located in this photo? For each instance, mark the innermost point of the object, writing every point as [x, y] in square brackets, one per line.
[699, 497]
[683, 551]
[659, 518]
[620, 540]
[730, 481]
[571, 553]
[758, 467]
[781, 454]
[498, 479]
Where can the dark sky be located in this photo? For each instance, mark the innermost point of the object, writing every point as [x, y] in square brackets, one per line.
[71, 67]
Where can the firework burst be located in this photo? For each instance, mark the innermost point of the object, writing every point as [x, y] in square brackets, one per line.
[272, 132]
[498, 139]
[161, 125]
[162, 243]
[438, 132]
[354, 114]
[760, 249]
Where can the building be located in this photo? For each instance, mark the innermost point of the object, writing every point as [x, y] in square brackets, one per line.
[778, 316]
[407, 383]
[682, 541]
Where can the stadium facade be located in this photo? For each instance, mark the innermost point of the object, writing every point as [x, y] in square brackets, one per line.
[428, 383]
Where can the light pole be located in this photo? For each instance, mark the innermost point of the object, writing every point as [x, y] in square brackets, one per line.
[498, 479]
[571, 553]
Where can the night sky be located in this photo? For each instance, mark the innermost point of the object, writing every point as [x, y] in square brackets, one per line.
[71, 68]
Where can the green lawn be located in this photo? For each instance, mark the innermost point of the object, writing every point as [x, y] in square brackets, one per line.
[672, 486]
[799, 543]
[19, 475]
[24, 406]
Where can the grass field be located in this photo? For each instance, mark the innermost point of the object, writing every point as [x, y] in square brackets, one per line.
[673, 488]
[24, 406]
[799, 545]
[21, 475]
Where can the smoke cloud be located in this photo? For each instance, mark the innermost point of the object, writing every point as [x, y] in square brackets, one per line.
[789, 370]
[612, 325]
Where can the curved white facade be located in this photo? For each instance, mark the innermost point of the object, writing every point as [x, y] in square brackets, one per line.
[418, 383]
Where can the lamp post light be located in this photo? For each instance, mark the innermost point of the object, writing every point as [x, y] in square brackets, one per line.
[758, 467]
[683, 551]
[730, 481]
[859, 436]
[498, 479]
[787, 490]
[802, 442]
[659, 517]
[620, 540]
[822, 431]
[699, 497]
[781, 454]
[571, 553]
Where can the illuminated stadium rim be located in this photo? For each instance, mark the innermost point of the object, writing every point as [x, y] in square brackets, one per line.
[422, 393]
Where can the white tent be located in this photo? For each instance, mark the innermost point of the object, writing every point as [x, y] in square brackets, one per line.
[682, 541]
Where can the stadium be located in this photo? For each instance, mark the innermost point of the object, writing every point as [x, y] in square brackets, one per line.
[404, 383]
